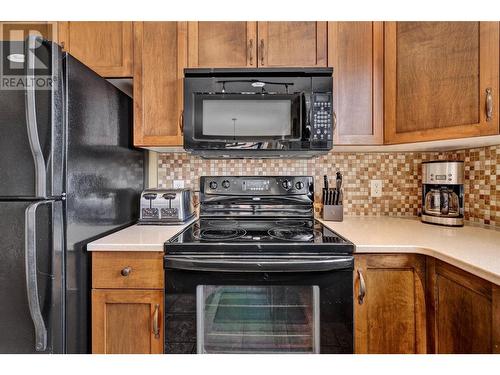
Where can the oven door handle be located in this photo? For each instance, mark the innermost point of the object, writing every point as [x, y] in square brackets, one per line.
[225, 264]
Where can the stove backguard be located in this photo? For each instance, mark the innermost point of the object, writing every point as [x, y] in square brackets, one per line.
[256, 196]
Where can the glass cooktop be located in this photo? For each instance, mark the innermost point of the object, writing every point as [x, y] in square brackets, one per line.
[222, 235]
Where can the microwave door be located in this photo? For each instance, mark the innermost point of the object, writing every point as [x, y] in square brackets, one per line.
[248, 120]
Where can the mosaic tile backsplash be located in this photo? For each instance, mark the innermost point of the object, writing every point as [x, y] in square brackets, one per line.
[400, 173]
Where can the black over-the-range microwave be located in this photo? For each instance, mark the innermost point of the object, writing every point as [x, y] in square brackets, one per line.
[258, 113]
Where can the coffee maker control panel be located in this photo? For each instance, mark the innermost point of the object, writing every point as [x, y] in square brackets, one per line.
[443, 172]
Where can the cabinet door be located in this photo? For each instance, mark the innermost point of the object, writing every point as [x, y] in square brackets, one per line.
[127, 321]
[160, 53]
[106, 47]
[441, 80]
[292, 44]
[17, 31]
[222, 44]
[460, 311]
[356, 52]
[389, 316]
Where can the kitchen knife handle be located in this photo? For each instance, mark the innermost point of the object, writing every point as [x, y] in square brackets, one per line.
[156, 321]
[31, 121]
[489, 104]
[362, 288]
[31, 275]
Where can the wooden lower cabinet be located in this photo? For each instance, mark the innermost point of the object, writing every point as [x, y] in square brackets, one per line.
[389, 315]
[127, 302]
[463, 311]
[127, 321]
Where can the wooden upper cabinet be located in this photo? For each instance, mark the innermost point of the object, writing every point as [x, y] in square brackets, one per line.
[17, 31]
[283, 44]
[462, 311]
[390, 318]
[106, 47]
[160, 53]
[127, 321]
[222, 44]
[356, 53]
[441, 80]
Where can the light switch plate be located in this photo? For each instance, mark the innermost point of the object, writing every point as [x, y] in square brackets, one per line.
[178, 184]
[376, 188]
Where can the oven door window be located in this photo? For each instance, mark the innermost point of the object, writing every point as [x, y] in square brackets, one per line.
[247, 117]
[257, 319]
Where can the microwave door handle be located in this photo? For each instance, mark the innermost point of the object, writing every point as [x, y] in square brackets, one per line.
[222, 264]
[31, 121]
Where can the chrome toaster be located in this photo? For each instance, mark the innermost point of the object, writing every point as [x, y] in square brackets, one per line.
[166, 206]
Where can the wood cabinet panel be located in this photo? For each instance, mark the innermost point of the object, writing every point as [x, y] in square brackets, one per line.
[127, 321]
[160, 53]
[355, 51]
[391, 317]
[18, 31]
[292, 44]
[132, 270]
[461, 311]
[222, 44]
[436, 79]
[106, 47]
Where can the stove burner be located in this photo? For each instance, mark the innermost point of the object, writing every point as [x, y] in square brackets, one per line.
[222, 223]
[293, 234]
[291, 223]
[218, 234]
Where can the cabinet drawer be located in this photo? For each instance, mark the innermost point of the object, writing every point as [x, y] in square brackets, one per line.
[130, 270]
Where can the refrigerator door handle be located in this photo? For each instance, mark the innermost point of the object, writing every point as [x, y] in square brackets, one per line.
[31, 275]
[31, 121]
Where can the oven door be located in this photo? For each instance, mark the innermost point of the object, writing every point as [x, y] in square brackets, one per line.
[265, 305]
[248, 117]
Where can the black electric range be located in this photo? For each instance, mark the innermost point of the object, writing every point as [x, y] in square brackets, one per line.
[257, 273]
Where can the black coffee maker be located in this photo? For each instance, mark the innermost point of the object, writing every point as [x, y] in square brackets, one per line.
[443, 192]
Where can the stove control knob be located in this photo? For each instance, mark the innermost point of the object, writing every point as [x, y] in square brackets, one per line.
[213, 185]
[225, 184]
[286, 184]
[299, 185]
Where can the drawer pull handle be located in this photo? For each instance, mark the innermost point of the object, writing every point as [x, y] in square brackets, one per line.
[156, 325]
[126, 271]
[362, 288]
[489, 104]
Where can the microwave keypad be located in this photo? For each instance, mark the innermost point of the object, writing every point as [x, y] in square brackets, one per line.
[322, 121]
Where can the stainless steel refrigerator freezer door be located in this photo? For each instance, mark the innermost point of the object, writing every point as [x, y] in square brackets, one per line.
[31, 277]
[31, 121]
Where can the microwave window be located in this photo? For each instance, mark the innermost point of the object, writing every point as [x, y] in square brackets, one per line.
[247, 118]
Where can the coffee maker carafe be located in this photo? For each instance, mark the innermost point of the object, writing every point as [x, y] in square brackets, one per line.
[442, 192]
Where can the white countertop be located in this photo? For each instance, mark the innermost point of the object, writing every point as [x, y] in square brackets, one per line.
[137, 238]
[473, 249]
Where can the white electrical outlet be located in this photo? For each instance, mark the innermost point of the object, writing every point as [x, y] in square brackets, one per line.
[376, 188]
[178, 184]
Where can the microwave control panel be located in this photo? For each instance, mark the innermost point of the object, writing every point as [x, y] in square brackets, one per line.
[321, 126]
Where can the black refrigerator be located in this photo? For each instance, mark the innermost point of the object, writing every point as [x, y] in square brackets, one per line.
[68, 175]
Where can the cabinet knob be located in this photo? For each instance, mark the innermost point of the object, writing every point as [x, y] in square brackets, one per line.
[126, 271]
